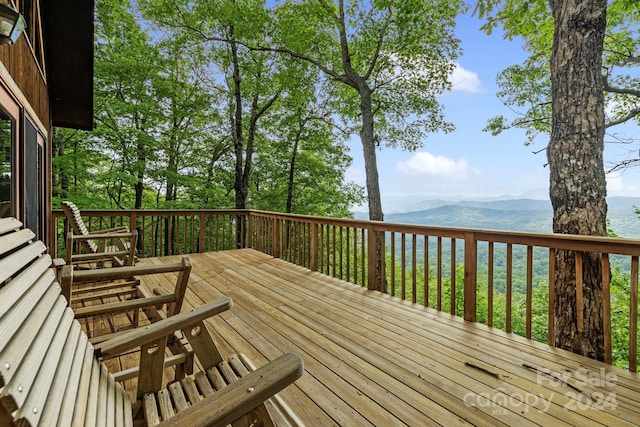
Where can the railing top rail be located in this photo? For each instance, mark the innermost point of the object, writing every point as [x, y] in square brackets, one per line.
[612, 245]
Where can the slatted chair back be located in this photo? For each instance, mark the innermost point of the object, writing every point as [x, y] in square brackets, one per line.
[72, 213]
[94, 242]
[48, 373]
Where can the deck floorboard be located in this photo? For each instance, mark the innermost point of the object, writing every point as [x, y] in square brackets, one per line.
[373, 360]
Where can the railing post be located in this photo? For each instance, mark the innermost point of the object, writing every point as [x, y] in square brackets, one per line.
[249, 239]
[314, 246]
[275, 238]
[201, 229]
[133, 225]
[470, 276]
[372, 258]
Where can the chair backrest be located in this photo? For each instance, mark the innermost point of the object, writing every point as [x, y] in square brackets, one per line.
[49, 374]
[72, 213]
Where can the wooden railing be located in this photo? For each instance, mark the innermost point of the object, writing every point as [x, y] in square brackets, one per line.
[503, 279]
[162, 232]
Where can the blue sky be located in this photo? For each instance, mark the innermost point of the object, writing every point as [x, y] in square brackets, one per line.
[469, 163]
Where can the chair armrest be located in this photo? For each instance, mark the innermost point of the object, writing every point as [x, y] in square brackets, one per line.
[123, 306]
[98, 256]
[122, 228]
[113, 273]
[147, 334]
[238, 398]
[103, 236]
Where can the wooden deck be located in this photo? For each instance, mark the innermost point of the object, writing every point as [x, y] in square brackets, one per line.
[373, 360]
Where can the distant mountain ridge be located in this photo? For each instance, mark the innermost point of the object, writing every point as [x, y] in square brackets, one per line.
[529, 215]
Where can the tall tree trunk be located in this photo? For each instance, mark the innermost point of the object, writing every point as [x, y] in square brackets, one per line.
[139, 185]
[292, 170]
[367, 138]
[575, 155]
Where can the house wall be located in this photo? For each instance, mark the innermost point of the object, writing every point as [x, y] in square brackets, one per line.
[23, 82]
[20, 62]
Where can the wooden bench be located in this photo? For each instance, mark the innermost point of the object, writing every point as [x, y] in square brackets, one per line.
[50, 373]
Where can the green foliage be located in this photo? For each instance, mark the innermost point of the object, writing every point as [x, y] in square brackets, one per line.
[163, 98]
[526, 87]
[403, 51]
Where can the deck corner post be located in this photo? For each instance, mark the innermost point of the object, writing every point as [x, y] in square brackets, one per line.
[275, 239]
[470, 276]
[249, 239]
[373, 261]
[201, 229]
[314, 246]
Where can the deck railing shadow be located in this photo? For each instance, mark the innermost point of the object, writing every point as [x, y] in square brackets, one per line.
[501, 278]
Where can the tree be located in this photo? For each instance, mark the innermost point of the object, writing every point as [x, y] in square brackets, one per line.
[126, 108]
[390, 60]
[526, 88]
[301, 166]
[575, 154]
[575, 150]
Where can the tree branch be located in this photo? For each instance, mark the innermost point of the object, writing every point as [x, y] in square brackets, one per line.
[622, 91]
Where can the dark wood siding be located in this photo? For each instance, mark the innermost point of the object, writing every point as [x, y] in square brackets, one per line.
[23, 68]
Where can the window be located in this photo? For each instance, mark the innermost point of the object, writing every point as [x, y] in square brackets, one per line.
[7, 173]
[33, 183]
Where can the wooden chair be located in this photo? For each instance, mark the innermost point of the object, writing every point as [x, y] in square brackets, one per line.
[111, 245]
[50, 373]
[118, 291]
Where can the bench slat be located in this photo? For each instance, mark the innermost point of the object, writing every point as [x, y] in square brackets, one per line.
[64, 374]
[151, 410]
[102, 412]
[27, 306]
[190, 389]
[13, 263]
[9, 224]
[178, 397]
[164, 402]
[76, 414]
[14, 393]
[16, 240]
[92, 399]
[34, 404]
[13, 291]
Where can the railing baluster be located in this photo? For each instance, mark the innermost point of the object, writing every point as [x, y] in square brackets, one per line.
[363, 257]
[453, 276]
[403, 266]
[552, 296]
[579, 301]
[509, 286]
[348, 252]
[490, 284]
[333, 251]
[426, 271]
[439, 275]
[529, 291]
[633, 316]
[341, 253]
[393, 264]
[413, 268]
[606, 306]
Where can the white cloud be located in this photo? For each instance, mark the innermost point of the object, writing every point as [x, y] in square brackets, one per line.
[465, 80]
[616, 186]
[426, 164]
[355, 175]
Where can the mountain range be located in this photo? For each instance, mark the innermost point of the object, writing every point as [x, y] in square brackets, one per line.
[530, 215]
